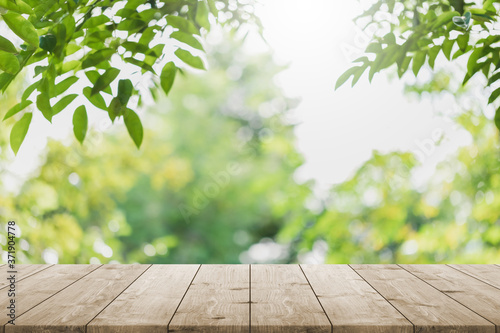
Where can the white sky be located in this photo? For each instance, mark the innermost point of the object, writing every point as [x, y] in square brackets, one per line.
[338, 129]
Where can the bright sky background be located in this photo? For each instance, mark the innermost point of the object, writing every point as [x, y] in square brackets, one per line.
[338, 129]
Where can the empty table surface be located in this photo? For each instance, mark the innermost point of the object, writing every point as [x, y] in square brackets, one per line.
[252, 298]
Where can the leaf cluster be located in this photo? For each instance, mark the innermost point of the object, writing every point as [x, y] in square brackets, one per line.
[420, 30]
[64, 42]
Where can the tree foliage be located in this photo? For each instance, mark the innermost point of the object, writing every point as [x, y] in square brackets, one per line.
[412, 33]
[89, 42]
[217, 176]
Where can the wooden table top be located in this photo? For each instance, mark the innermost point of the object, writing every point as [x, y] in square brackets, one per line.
[253, 298]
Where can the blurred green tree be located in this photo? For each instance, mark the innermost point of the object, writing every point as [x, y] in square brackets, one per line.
[215, 176]
[378, 216]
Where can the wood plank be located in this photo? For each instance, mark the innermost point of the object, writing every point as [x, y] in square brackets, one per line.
[148, 304]
[39, 287]
[470, 292]
[74, 307]
[352, 304]
[23, 271]
[283, 301]
[487, 273]
[217, 301]
[427, 308]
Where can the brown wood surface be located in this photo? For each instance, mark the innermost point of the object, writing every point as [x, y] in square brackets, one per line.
[283, 301]
[41, 286]
[73, 308]
[217, 301]
[476, 295]
[486, 273]
[256, 298]
[148, 305]
[427, 308]
[23, 271]
[352, 304]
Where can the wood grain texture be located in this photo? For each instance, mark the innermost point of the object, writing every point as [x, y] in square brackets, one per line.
[283, 301]
[217, 301]
[474, 294]
[23, 271]
[487, 273]
[148, 305]
[352, 304]
[39, 287]
[427, 308]
[73, 308]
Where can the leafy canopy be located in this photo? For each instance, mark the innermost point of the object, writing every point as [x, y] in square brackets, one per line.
[415, 32]
[65, 42]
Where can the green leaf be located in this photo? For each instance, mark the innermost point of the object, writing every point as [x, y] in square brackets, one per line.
[115, 109]
[156, 51]
[80, 123]
[21, 27]
[373, 48]
[43, 104]
[182, 24]
[96, 21]
[27, 93]
[48, 42]
[187, 39]
[17, 6]
[433, 52]
[418, 61]
[40, 69]
[63, 103]
[463, 42]
[148, 34]
[97, 100]
[389, 38]
[213, 8]
[17, 108]
[472, 62]
[497, 118]
[202, 15]
[65, 84]
[482, 17]
[125, 89]
[167, 76]
[488, 5]
[358, 73]
[96, 58]
[140, 64]
[346, 75]
[9, 62]
[495, 77]
[19, 131]
[105, 80]
[189, 59]
[70, 65]
[443, 19]
[134, 126]
[494, 95]
[131, 25]
[403, 67]
[6, 45]
[135, 47]
[446, 47]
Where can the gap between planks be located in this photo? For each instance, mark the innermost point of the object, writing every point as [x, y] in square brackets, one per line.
[468, 307]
